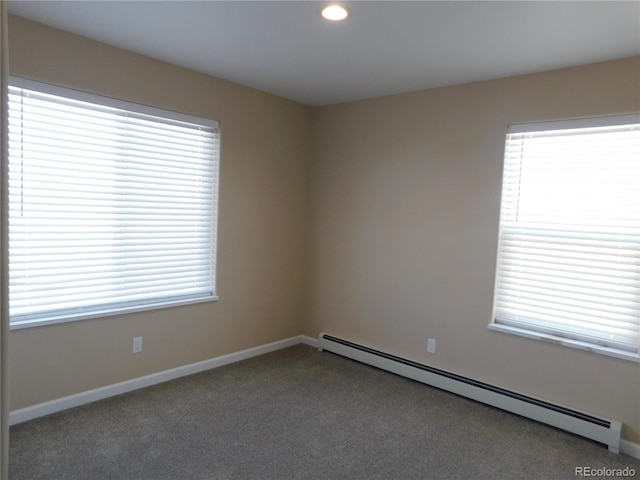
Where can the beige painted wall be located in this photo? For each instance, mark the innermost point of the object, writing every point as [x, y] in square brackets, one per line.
[405, 206]
[262, 224]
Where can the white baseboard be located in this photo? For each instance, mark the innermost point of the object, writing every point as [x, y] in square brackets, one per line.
[312, 342]
[64, 403]
[630, 448]
[82, 398]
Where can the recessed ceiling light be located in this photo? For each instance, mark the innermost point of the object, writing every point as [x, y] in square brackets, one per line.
[335, 12]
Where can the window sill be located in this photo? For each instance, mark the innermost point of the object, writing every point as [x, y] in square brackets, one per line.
[610, 352]
[109, 313]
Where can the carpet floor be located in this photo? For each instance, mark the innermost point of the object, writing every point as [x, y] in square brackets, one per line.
[298, 414]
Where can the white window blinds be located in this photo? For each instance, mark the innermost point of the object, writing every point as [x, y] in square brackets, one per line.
[111, 208]
[569, 248]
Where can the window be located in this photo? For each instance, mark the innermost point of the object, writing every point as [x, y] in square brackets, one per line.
[568, 265]
[112, 206]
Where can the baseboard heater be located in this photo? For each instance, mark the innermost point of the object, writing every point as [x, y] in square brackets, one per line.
[597, 429]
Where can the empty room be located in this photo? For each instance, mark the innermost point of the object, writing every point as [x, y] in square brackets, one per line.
[261, 240]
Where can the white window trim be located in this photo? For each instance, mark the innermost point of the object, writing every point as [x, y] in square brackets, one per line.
[565, 342]
[546, 337]
[108, 101]
[110, 313]
[133, 107]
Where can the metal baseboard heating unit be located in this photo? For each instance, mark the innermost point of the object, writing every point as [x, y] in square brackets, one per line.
[598, 429]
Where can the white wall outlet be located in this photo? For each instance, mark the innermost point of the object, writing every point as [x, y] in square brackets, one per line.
[431, 345]
[137, 344]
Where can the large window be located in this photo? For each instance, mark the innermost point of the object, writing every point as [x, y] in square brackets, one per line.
[569, 250]
[112, 206]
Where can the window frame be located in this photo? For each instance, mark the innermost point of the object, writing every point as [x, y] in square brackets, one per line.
[158, 113]
[532, 333]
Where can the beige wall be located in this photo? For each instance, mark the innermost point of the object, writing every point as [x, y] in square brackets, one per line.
[405, 205]
[262, 224]
[398, 241]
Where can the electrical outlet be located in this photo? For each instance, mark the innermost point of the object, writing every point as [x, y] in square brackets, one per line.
[137, 344]
[431, 345]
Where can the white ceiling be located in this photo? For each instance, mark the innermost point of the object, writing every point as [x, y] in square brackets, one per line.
[385, 47]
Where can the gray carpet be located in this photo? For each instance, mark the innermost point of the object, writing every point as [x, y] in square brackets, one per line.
[296, 414]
